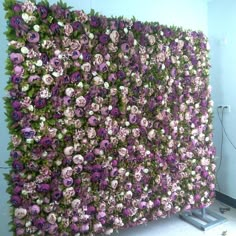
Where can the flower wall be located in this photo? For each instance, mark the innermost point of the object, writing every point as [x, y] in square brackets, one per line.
[110, 120]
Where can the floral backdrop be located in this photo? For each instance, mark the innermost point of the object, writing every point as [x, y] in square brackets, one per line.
[110, 120]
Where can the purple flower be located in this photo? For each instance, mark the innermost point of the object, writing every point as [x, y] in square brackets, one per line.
[43, 188]
[17, 22]
[132, 118]
[16, 7]
[28, 132]
[112, 77]
[33, 37]
[40, 102]
[16, 79]
[167, 32]
[93, 121]
[95, 22]
[138, 26]
[75, 54]
[17, 190]
[121, 74]
[96, 176]
[16, 58]
[79, 112]
[105, 144]
[17, 165]
[84, 228]
[16, 200]
[39, 222]
[115, 112]
[197, 197]
[56, 195]
[20, 231]
[91, 210]
[17, 115]
[104, 38]
[34, 210]
[103, 67]
[89, 157]
[33, 78]
[55, 62]
[55, 28]
[102, 132]
[142, 205]
[77, 26]
[68, 182]
[125, 47]
[75, 77]
[86, 56]
[44, 58]
[43, 11]
[46, 142]
[127, 212]
[16, 105]
[74, 228]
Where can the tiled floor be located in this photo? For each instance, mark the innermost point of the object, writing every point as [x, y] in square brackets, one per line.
[174, 226]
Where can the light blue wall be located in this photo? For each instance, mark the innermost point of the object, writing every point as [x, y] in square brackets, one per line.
[222, 35]
[190, 14]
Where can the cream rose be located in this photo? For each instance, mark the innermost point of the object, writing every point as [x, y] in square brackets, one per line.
[20, 213]
[47, 79]
[81, 101]
[98, 59]
[68, 29]
[114, 36]
[86, 67]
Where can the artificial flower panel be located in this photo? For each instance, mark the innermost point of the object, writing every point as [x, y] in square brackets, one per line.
[110, 121]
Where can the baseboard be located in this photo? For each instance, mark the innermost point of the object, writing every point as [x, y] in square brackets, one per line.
[226, 199]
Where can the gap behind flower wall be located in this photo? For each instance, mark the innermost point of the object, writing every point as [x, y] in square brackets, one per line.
[110, 121]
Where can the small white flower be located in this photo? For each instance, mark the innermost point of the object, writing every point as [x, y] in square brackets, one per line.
[146, 170]
[39, 201]
[39, 63]
[163, 66]
[110, 132]
[126, 30]
[81, 56]
[121, 87]
[106, 85]
[30, 107]
[25, 17]
[91, 113]
[80, 85]
[25, 88]
[36, 28]
[60, 136]
[60, 23]
[127, 123]
[110, 107]
[91, 35]
[110, 158]
[24, 50]
[56, 74]
[135, 42]
[108, 63]
[161, 33]
[127, 174]
[28, 224]
[29, 140]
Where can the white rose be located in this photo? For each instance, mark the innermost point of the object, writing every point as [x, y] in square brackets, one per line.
[98, 80]
[20, 213]
[24, 50]
[36, 28]
[51, 218]
[70, 92]
[114, 36]
[25, 17]
[81, 101]
[78, 159]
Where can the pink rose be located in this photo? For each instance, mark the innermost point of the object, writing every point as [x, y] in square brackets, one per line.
[98, 59]
[69, 192]
[52, 132]
[67, 172]
[113, 91]
[81, 101]
[112, 47]
[68, 29]
[114, 36]
[51, 218]
[76, 204]
[91, 133]
[122, 152]
[136, 132]
[86, 67]
[47, 79]
[95, 107]
[69, 112]
[144, 122]
[20, 213]
[75, 44]
[66, 42]
[70, 92]
[151, 39]
[114, 184]
[78, 159]
[19, 70]
[128, 195]
[68, 150]
[151, 134]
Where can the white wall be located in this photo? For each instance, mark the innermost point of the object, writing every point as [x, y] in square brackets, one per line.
[222, 34]
[190, 14]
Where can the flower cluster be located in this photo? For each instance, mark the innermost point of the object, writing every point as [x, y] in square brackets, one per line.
[110, 121]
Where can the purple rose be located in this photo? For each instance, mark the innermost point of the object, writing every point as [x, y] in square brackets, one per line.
[125, 47]
[121, 74]
[96, 176]
[28, 132]
[102, 132]
[132, 118]
[16, 58]
[44, 58]
[56, 195]
[39, 222]
[95, 21]
[20, 231]
[17, 23]
[43, 11]
[167, 32]
[16, 105]
[75, 54]
[104, 38]
[104, 184]
[115, 112]
[16, 7]
[46, 142]
[197, 197]
[17, 115]
[67, 100]
[138, 26]
[40, 102]
[89, 157]
[16, 79]
[84, 228]
[127, 212]
[34, 210]
[74, 228]
[16, 200]
[17, 190]
[93, 121]
[76, 77]
[114, 172]
[33, 37]
[157, 203]
[17, 165]
[43, 188]
[33, 78]
[112, 77]
[55, 28]
[142, 205]
[77, 26]
[103, 67]
[104, 144]
[79, 112]
[55, 62]
[91, 210]
[86, 56]
[68, 181]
